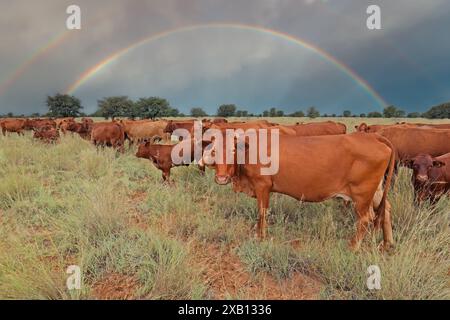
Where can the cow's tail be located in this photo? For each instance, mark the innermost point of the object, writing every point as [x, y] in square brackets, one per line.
[387, 183]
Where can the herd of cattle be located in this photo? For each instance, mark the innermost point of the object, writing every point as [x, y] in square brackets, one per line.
[317, 161]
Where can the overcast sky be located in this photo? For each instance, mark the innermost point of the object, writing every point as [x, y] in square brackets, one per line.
[406, 62]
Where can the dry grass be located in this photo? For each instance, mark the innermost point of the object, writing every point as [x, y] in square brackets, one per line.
[136, 238]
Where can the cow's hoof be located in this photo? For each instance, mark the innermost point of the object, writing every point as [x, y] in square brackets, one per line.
[386, 247]
[354, 246]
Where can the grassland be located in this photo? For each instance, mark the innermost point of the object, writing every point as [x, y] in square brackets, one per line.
[134, 237]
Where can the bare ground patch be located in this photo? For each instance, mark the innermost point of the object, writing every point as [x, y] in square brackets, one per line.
[227, 277]
[114, 286]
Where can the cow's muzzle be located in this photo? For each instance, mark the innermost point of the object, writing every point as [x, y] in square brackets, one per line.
[422, 178]
[223, 179]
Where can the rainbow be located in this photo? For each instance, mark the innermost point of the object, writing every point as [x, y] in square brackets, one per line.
[92, 71]
[19, 71]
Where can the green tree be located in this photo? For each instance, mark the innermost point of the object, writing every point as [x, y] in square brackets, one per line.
[362, 115]
[414, 115]
[347, 113]
[374, 114]
[393, 112]
[272, 112]
[118, 106]
[441, 111]
[241, 113]
[226, 110]
[63, 105]
[155, 107]
[280, 113]
[299, 114]
[198, 113]
[312, 112]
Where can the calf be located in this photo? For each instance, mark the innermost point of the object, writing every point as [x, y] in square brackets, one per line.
[161, 156]
[47, 134]
[431, 177]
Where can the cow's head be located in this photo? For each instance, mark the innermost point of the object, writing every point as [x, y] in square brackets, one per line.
[143, 149]
[363, 127]
[421, 166]
[215, 153]
[170, 127]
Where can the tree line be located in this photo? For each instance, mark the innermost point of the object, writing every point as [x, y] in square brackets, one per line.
[63, 105]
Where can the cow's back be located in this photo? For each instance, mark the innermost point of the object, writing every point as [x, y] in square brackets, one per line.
[313, 168]
[412, 141]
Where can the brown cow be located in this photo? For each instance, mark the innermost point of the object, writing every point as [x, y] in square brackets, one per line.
[219, 120]
[13, 125]
[431, 176]
[64, 124]
[411, 141]
[428, 125]
[83, 129]
[60, 121]
[257, 124]
[109, 134]
[317, 168]
[32, 124]
[174, 125]
[319, 128]
[161, 156]
[140, 130]
[364, 127]
[47, 134]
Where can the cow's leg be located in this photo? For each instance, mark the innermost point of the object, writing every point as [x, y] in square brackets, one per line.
[166, 176]
[202, 169]
[363, 211]
[384, 218]
[262, 196]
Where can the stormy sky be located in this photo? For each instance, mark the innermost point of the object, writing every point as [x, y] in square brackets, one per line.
[406, 62]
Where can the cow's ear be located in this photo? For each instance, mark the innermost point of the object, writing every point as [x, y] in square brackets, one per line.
[438, 164]
[408, 163]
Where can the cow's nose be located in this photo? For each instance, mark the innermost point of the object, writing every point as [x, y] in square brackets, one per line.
[222, 179]
[422, 177]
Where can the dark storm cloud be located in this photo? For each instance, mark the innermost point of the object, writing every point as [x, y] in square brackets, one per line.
[406, 62]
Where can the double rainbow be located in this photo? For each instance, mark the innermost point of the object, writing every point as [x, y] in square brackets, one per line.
[92, 71]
